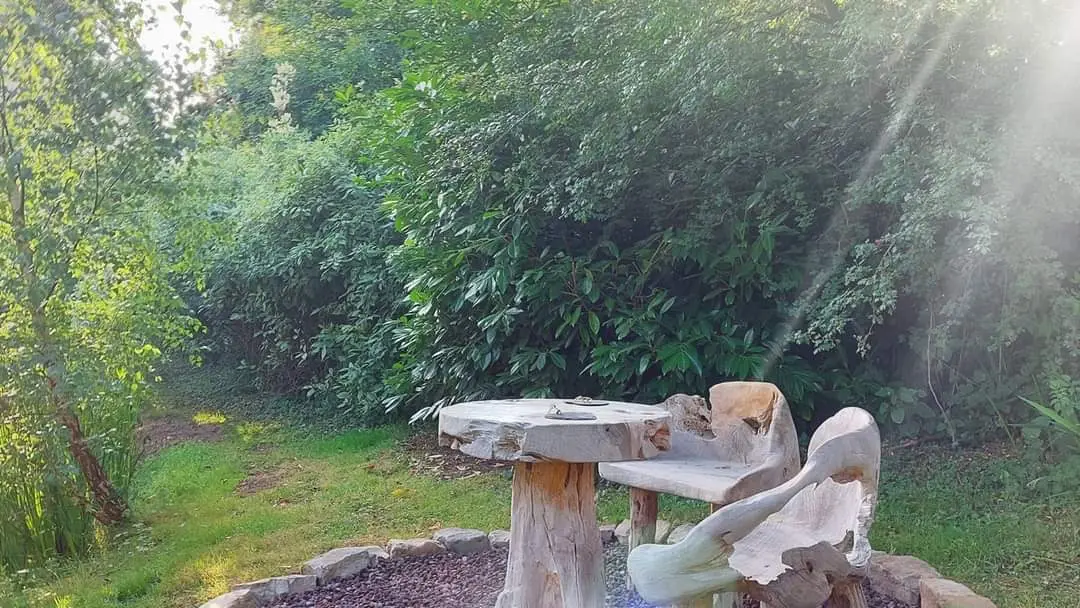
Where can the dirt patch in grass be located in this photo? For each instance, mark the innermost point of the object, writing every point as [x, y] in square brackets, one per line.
[262, 448]
[427, 457]
[159, 433]
[257, 481]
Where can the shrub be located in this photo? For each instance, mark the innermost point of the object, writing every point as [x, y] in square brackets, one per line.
[646, 198]
[299, 287]
[857, 201]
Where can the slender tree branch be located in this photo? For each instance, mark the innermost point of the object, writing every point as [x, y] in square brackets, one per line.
[17, 42]
[9, 140]
[96, 205]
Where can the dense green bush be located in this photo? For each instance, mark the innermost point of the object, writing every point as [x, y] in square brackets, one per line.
[297, 285]
[868, 203]
[637, 199]
[567, 235]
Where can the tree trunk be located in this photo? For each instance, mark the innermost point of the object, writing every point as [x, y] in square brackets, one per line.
[108, 506]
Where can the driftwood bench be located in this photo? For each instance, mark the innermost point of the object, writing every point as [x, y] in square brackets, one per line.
[746, 444]
[799, 545]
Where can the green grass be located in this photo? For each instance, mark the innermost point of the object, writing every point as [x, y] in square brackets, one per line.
[973, 516]
[978, 518]
[195, 534]
[198, 535]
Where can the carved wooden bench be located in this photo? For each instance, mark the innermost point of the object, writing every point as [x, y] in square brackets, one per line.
[799, 545]
[746, 444]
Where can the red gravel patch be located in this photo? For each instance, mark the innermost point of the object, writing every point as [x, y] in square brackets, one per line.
[474, 581]
[436, 581]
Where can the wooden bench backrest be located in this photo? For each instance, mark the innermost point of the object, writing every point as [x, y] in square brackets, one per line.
[754, 420]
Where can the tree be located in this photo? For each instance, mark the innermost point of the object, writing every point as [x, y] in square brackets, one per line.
[641, 199]
[331, 46]
[83, 304]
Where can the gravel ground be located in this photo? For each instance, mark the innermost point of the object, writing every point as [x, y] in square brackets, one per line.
[619, 597]
[463, 582]
[413, 582]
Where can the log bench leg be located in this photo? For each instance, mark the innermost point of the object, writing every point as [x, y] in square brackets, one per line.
[705, 601]
[848, 595]
[644, 508]
[728, 599]
[556, 559]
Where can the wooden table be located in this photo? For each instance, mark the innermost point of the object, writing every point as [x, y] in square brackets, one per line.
[556, 558]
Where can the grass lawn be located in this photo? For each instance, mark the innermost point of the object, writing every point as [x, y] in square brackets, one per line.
[980, 519]
[265, 497]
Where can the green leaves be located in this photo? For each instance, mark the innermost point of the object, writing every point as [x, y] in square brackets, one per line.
[897, 415]
[299, 283]
[647, 272]
[565, 183]
[679, 357]
[594, 323]
[1071, 426]
[587, 287]
[85, 304]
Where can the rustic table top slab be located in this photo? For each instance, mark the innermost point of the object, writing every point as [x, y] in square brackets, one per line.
[517, 430]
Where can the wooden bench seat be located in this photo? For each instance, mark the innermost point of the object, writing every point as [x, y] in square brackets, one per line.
[681, 472]
[803, 544]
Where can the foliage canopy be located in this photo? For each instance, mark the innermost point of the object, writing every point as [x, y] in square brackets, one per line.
[867, 203]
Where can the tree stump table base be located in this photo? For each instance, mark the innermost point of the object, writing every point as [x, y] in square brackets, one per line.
[556, 557]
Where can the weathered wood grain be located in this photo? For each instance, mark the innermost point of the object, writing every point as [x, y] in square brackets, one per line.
[749, 444]
[516, 430]
[781, 545]
[644, 506]
[556, 558]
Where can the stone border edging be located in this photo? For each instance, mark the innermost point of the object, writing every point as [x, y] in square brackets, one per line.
[345, 562]
[901, 577]
[911, 580]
